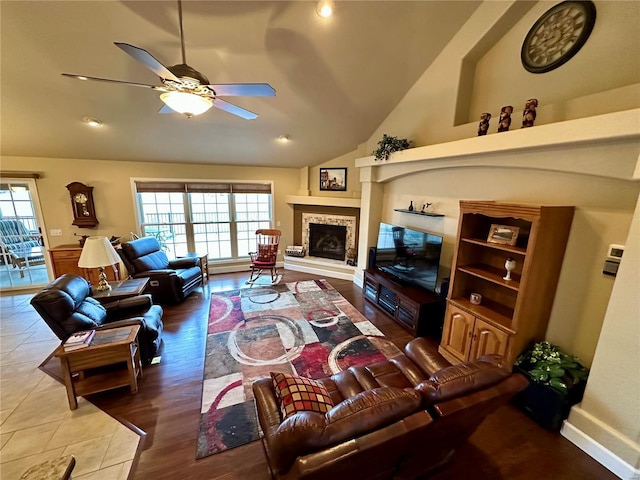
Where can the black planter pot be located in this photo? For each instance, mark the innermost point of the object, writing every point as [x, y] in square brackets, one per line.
[546, 405]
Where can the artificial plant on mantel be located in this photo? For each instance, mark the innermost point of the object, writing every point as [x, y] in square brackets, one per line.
[388, 145]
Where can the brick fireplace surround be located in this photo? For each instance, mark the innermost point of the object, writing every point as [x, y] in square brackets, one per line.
[327, 219]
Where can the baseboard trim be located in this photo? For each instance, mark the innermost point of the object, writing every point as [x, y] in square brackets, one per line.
[234, 267]
[599, 453]
[319, 271]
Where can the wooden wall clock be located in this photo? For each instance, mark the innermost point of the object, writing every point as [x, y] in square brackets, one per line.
[84, 213]
[558, 35]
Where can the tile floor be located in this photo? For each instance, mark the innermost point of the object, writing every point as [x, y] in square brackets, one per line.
[33, 276]
[36, 423]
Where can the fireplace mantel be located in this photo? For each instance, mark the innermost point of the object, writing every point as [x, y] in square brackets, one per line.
[324, 201]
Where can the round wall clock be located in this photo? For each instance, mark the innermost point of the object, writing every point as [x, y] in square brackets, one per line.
[558, 35]
[84, 213]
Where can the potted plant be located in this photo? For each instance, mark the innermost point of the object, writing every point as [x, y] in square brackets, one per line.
[388, 145]
[557, 382]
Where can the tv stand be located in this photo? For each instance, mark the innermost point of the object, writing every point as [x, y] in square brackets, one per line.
[419, 312]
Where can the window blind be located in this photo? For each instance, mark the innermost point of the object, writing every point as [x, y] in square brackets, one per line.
[204, 187]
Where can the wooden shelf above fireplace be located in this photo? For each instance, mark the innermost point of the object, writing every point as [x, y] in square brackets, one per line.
[324, 201]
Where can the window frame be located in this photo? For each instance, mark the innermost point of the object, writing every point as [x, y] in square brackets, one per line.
[264, 186]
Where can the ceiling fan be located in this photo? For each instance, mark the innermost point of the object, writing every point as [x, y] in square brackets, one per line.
[185, 90]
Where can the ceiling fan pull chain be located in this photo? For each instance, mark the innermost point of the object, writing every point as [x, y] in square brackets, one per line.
[184, 57]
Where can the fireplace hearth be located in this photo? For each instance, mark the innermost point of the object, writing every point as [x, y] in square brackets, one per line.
[327, 241]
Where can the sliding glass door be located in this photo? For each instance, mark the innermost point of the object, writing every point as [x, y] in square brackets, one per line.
[23, 253]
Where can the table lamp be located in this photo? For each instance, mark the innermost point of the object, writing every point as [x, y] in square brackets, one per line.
[98, 253]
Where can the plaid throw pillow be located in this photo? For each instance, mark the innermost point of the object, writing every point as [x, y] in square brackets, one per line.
[299, 394]
[267, 253]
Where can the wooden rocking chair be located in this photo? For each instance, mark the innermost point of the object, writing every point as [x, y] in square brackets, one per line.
[264, 259]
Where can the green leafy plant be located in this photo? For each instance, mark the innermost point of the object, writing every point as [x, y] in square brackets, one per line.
[547, 364]
[388, 145]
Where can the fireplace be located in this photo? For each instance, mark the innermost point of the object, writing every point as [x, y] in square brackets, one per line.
[330, 249]
[327, 241]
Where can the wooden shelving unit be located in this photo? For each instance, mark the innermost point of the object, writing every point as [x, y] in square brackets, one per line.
[513, 313]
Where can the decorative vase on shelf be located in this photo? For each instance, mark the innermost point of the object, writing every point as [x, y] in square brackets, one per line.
[483, 126]
[505, 118]
[425, 207]
[410, 206]
[529, 114]
[509, 264]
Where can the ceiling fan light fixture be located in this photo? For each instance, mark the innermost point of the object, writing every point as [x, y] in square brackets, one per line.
[284, 138]
[188, 104]
[325, 8]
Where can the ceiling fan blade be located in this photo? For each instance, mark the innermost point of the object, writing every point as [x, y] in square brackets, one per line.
[234, 109]
[133, 84]
[148, 61]
[244, 90]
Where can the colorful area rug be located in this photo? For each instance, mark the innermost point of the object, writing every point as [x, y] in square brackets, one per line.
[305, 328]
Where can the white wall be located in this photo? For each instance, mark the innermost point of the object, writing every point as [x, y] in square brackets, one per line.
[610, 410]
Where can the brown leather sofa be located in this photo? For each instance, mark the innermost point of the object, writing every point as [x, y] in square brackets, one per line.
[396, 419]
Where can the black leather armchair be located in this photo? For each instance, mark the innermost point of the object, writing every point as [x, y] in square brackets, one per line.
[170, 281]
[67, 307]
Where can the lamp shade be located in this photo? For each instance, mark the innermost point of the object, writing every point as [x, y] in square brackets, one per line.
[98, 252]
[186, 103]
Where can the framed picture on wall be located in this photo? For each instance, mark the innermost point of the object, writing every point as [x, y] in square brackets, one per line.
[333, 179]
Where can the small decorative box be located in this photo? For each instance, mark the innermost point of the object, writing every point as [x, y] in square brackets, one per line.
[295, 251]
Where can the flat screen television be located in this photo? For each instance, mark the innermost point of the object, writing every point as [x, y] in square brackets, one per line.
[412, 256]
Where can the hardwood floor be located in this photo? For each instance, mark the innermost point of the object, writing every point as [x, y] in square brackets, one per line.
[507, 445]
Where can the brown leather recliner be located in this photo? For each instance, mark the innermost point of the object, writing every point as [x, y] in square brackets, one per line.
[396, 419]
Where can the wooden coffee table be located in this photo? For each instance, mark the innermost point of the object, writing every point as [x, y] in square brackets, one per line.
[109, 347]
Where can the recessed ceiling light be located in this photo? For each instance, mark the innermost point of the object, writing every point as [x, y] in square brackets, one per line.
[92, 122]
[325, 8]
[284, 138]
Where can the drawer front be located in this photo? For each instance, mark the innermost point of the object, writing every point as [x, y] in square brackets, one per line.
[408, 306]
[65, 254]
[407, 313]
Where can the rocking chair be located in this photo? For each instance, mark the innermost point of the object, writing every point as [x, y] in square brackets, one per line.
[265, 258]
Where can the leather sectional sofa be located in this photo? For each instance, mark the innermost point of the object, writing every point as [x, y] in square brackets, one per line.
[396, 419]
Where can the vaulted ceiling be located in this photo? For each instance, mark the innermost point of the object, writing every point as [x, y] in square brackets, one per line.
[336, 79]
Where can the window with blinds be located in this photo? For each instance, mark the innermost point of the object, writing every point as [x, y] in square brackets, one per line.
[217, 218]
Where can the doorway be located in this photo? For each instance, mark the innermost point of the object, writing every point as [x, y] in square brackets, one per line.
[24, 261]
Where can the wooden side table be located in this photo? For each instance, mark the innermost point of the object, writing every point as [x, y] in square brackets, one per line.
[123, 289]
[204, 264]
[64, 259]
[108, 347]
